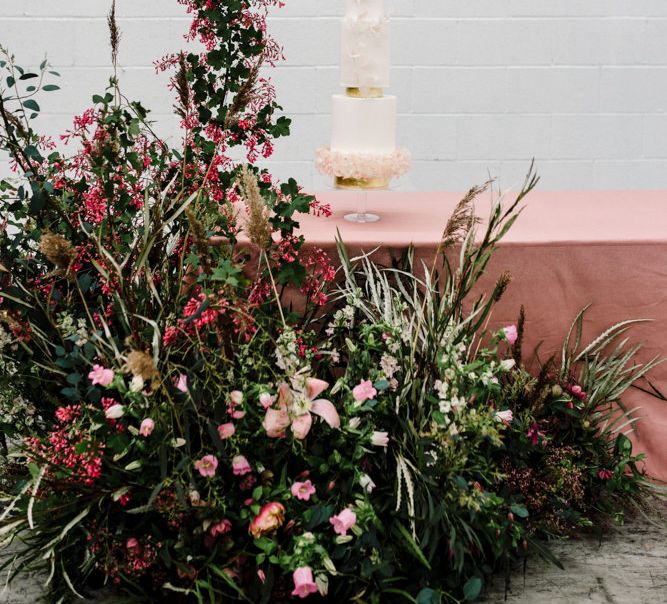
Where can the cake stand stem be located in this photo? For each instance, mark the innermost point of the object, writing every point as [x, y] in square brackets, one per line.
[361, 215]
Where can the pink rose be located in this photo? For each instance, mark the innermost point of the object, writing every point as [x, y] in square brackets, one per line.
[207, 466]
[343, 521]
[226, 431]
[511, 334]
[270, 518]
[303, 490]
[303, 582]
[221, 528]
[100, 375]
[364, 391]
[181, 382]
[240, 465]
[147, 426]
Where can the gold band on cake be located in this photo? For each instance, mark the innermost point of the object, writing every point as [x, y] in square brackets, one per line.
[361, 183]
[364, 93]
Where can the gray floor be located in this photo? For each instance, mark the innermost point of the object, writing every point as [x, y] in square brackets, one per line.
[628, 567]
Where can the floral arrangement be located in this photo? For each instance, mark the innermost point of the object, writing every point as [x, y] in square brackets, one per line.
[200, 408]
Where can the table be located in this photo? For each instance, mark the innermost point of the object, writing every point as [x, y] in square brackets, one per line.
[567, 250]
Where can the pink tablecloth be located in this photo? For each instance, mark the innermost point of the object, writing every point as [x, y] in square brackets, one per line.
[567, 250]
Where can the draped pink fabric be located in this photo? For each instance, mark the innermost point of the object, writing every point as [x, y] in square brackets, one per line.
[567, 250]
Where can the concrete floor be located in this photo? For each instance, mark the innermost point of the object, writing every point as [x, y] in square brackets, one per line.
[628, 567]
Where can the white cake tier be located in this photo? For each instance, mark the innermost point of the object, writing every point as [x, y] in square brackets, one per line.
[365, 49]
[363, 125]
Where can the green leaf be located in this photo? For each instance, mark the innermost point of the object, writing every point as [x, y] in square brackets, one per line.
[472, 588]
[10, 81]
[50, 87]
[28, 76]
[31, 104]
[520, 510]
[428, 596]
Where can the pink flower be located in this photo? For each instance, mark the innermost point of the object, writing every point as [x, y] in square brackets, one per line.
[276, 422]
[100, 375]
[261, 575]
[578, 392]
[240, 465]
[380, 439]
[132, 543]
[147, 426]
[221, 528]
[605, 474]
[226, 431]
[343, 521]
[303, 490]
[207, 466]
[181, 382]
[534, 434]
[266, 400]
[504, 416]
[511, 334]
[303, 582]
[270, 518]
[364, 391]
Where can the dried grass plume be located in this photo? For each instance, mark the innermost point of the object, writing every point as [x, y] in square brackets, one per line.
[141, 364]
[114, 34]
[57, 249]
[257, 225]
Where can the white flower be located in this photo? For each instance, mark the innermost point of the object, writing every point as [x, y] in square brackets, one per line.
[236, 397]
[507, 364]
[504, 416]
[441, 388]
[366, 483]
[114, 412]
[389, 365]
[137, 384]
[380, 439]
[354, 423]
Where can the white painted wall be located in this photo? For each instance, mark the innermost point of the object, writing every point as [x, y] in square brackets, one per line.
[484, 85]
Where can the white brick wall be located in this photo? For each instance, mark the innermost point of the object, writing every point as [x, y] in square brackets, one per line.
[484, 85]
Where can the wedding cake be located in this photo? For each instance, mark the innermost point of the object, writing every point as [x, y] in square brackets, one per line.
[363, 152]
